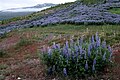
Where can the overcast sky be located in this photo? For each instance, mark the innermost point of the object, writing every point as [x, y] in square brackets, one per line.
[6, 4]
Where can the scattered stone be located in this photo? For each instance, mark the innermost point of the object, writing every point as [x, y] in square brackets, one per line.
[19, 78]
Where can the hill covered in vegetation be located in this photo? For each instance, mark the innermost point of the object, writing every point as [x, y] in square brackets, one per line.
[76, 13]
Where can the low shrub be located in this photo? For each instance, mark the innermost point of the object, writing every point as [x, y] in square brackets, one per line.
[2, 53]
[23, 42]
[78, 58]
[3, 36]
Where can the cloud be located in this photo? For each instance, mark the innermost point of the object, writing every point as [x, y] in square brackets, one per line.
[6, 4]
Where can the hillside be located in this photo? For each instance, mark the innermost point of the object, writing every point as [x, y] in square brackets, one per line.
[25, 40]
[76, 13]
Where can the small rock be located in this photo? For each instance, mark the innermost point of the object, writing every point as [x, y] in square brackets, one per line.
[19, 78]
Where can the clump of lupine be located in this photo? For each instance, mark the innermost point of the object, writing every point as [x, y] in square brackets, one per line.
[78, 57]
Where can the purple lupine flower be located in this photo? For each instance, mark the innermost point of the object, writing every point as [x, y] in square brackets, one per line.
[104, 44]
[68, 55]
[94, 61]
[58, 46]
[71, 42]
[72, 55]
[69, 51]
[93, 68]
[89, 52]
[97, 37]
[54, 45]
[85, 57]
[104, 56]
[110, 50]
[86, 65]
[92, 39]
[64, 51]
[76, 48]
[67, 45]
[91, 46]
[64, 71]
[67, 61]
[81, 40]
[49, 52]
[80, 49]
[98, 42]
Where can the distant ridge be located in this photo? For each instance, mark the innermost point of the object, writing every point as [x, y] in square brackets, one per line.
[23, 11]
[37, 7]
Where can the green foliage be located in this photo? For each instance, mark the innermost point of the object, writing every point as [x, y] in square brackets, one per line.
[2, 53]
[115, 10]
[3, 36]
[92, 1]
[2, 77]
[23, 42]
[3, 66]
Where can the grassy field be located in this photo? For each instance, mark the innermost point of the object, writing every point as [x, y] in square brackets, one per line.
[109, 32]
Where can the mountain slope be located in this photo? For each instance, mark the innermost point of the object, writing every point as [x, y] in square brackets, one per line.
[77, 13]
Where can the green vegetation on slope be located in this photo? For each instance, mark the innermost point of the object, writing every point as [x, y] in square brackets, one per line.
[92, 1]
[115, 10]
[109, 32]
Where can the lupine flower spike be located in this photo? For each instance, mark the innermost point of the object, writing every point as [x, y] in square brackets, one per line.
[93, 68]
[94, 61]
[89, 52]
[54, 45]
[64, 71]
[86, 66]
[67, 45]
[110, 50]
[104, 56]
[49, 52]
[104, 44]
[92, 39]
